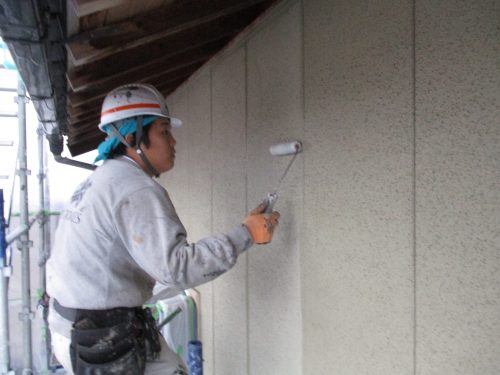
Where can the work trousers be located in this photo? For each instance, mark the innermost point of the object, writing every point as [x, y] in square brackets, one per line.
[168, 363]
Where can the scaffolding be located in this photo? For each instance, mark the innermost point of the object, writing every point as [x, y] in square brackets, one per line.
[20, 235]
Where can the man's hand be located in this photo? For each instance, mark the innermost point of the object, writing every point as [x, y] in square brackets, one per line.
[261, 226]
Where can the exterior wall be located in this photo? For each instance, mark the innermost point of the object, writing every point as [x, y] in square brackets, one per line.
[458, 187]
[387, 257]
[358, 95]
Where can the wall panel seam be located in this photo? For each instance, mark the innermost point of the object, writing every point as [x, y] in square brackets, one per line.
[214, 318]
[414, 180]
[247, 287]
[302, 231]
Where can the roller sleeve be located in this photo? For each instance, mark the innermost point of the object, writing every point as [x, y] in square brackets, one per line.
[289, 148]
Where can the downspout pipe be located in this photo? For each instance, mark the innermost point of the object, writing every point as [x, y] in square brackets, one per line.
[56, 148]
[74, 163]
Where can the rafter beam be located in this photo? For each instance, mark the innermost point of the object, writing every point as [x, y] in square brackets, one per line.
[124, 60]
[150, 27]
[191, 54]
[183, 68]
[86, 145]
[85, 7]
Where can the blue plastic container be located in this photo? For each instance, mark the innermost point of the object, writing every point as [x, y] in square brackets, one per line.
[195, 358]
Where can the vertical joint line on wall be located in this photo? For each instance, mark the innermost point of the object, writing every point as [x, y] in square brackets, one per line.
[414, 182]
[211, 152]
[247, 321]
[303, 67]
[214, 317]
[301, 242]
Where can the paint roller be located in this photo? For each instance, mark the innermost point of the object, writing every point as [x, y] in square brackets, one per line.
[282, 149]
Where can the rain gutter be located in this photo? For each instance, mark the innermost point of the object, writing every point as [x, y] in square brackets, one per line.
[35, 33]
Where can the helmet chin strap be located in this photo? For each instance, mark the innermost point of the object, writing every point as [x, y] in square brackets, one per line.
[137, 148]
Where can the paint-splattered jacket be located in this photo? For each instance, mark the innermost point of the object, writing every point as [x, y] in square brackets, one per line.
[121, 234]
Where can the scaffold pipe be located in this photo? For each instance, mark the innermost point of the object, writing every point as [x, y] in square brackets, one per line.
[26, 314]
[4, 309]
[12, 236]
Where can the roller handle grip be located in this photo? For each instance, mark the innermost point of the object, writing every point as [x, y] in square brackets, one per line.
[270, 201]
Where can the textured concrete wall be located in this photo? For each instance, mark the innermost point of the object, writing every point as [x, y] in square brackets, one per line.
[229, 197]
[458, 187]
[357, 273]
[387, 258]
[274, 97]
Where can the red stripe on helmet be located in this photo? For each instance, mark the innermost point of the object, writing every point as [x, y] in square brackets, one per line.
[130, 106]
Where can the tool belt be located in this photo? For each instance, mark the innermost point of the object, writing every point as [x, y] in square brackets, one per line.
[111, 342]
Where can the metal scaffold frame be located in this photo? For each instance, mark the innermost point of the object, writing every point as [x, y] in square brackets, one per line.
[21, 236]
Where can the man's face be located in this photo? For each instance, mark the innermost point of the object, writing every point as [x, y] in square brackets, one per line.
[161, 149]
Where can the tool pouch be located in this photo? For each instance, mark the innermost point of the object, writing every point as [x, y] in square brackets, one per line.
[113, 342]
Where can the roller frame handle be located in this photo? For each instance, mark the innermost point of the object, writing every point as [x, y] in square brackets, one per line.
[270, 200]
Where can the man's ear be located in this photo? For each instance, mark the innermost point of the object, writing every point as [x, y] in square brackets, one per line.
[130, 139]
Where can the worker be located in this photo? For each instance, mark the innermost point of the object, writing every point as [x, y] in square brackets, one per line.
[120, 235]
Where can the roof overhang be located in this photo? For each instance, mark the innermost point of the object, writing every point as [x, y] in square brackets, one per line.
[70, 53]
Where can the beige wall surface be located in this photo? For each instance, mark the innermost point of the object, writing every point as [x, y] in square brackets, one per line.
[458, 187]
[358, 188]
[387, 258]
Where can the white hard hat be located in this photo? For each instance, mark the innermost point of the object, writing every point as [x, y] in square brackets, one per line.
[134, 100]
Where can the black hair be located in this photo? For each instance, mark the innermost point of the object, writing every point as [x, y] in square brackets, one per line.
[121, 149]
